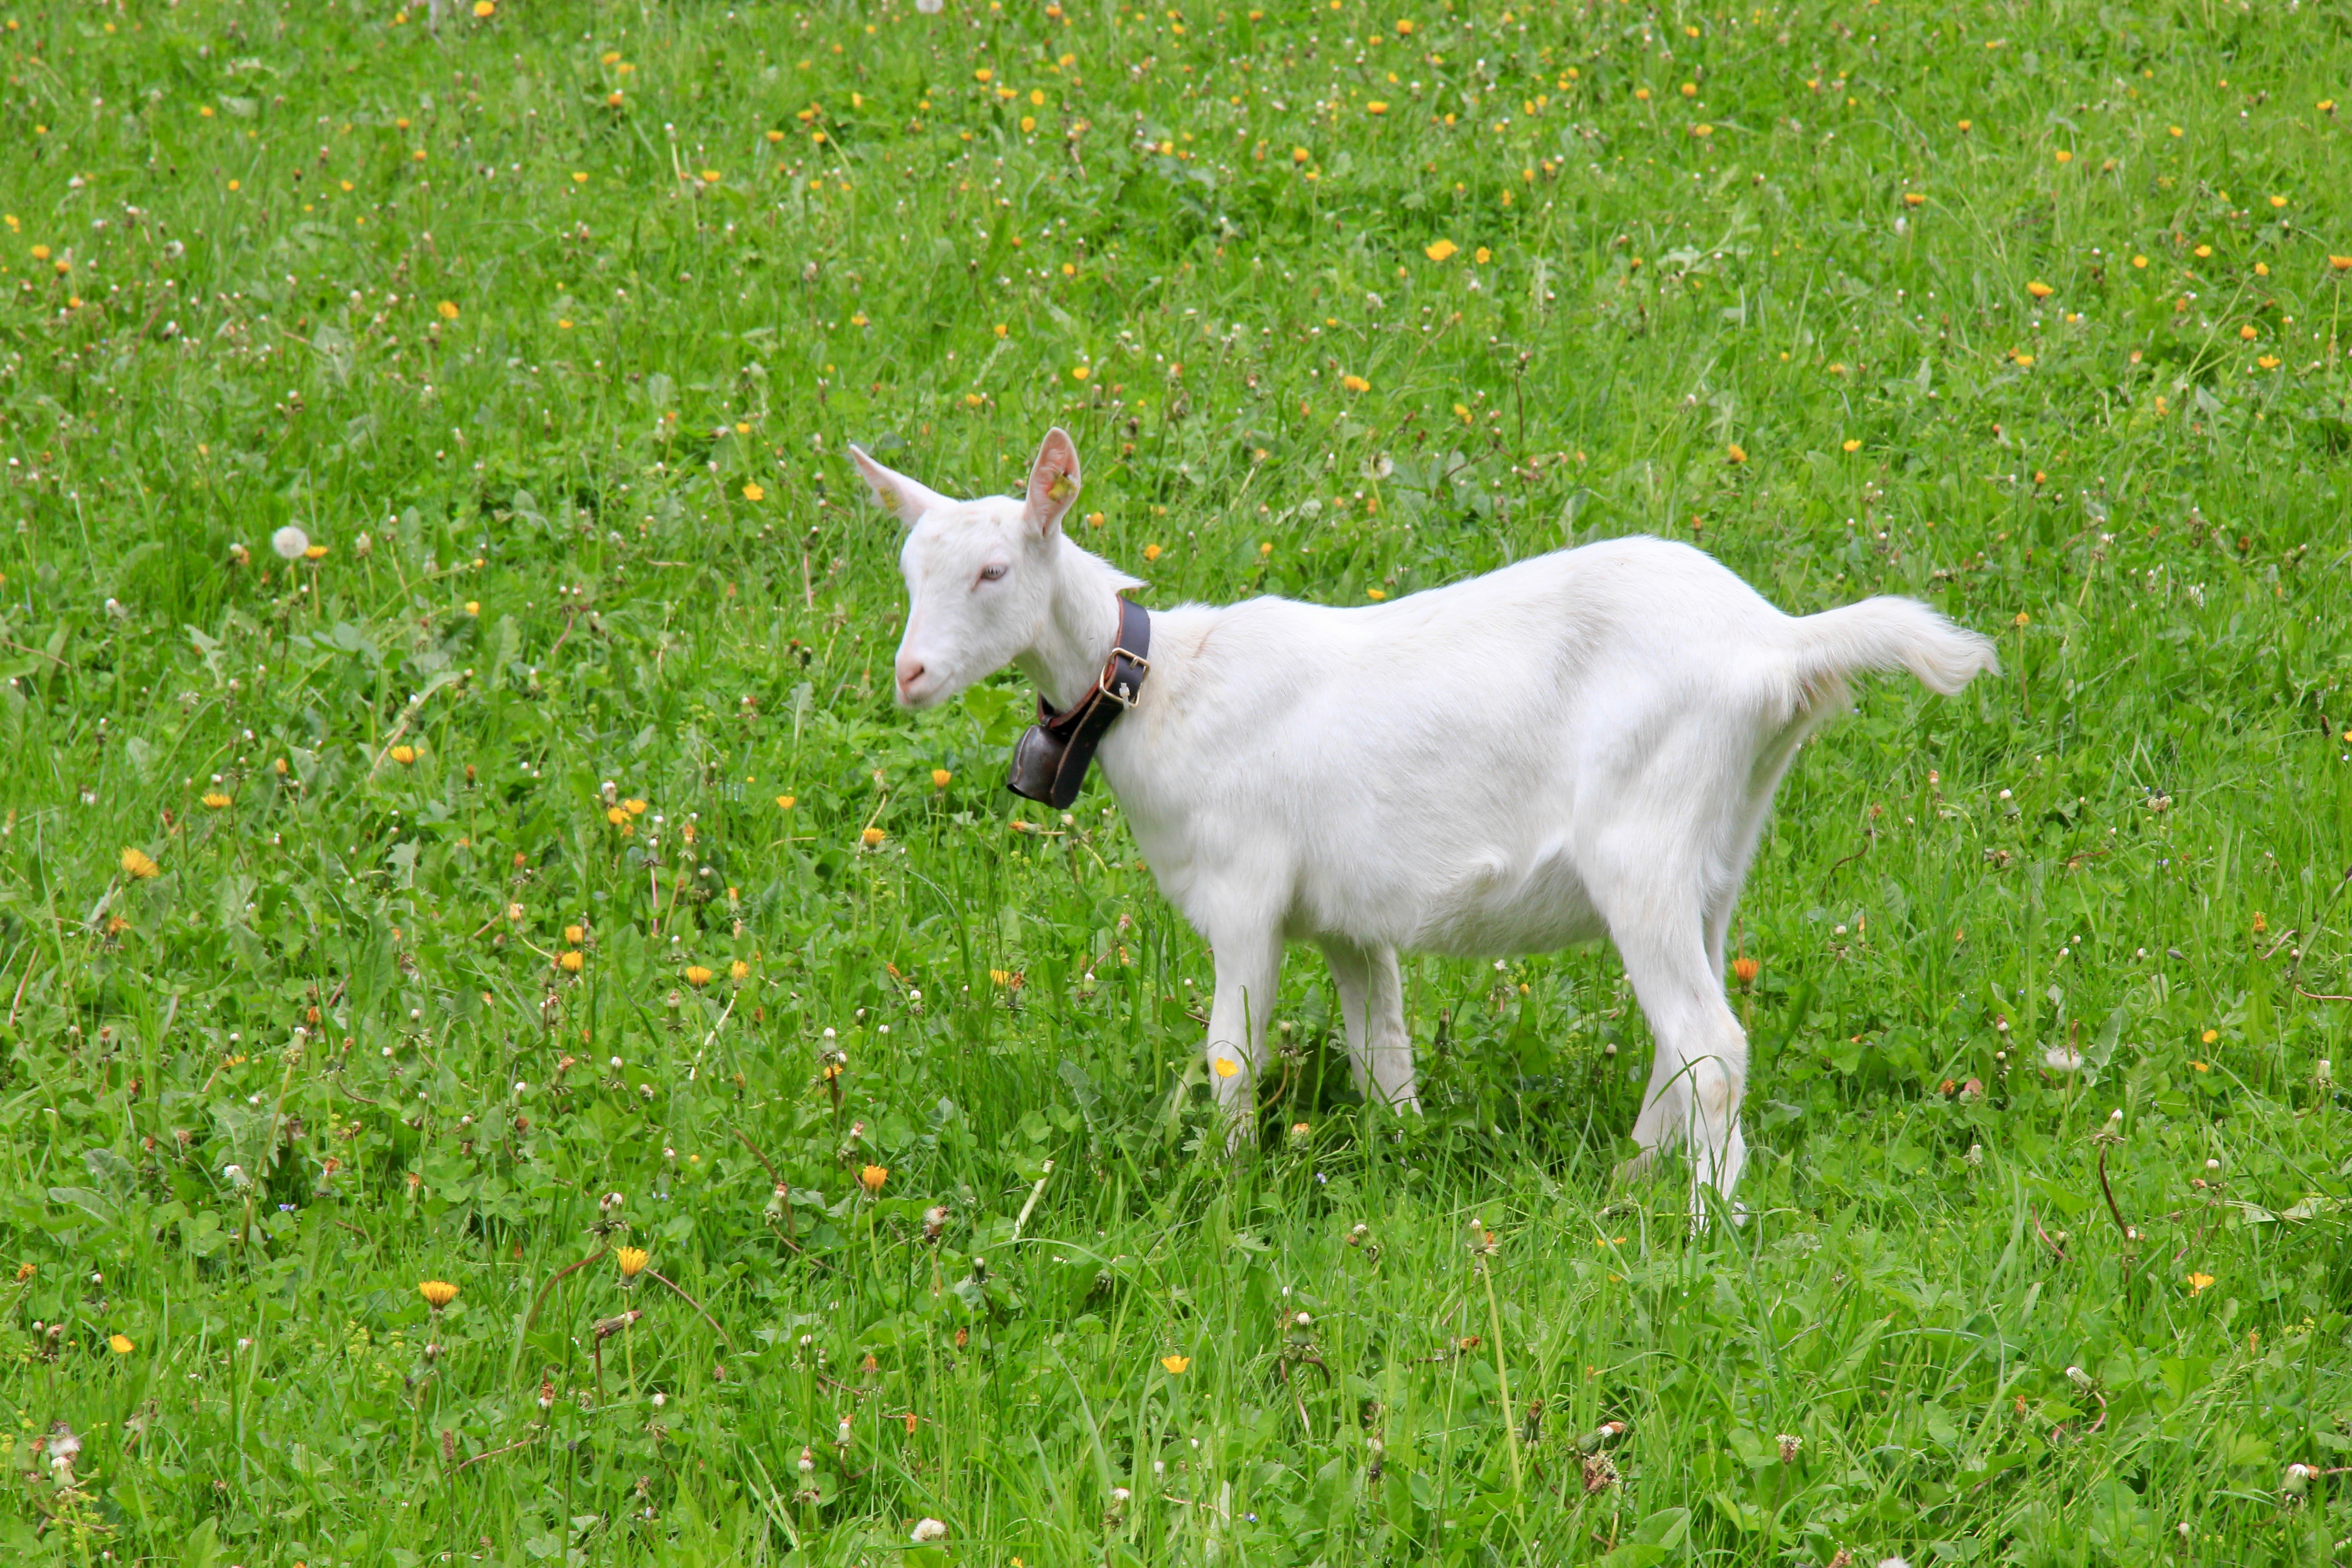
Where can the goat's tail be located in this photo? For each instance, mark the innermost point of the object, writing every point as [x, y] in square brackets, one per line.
[1890, 632]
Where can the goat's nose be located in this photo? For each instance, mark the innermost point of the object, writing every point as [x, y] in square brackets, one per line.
[910, 670]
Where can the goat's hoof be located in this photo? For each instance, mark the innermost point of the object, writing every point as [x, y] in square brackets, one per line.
[1636, 1169]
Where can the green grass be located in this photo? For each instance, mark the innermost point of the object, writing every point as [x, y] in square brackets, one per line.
[551, 328]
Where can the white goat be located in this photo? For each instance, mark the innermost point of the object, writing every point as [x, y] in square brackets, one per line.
[1579, 745]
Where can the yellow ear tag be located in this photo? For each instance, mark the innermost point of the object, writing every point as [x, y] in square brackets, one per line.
[888, 495]
[1061, 488]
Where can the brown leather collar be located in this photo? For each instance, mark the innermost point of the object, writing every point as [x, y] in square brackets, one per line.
[1049, 763]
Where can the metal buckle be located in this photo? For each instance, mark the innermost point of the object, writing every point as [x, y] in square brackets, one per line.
[1124, 696]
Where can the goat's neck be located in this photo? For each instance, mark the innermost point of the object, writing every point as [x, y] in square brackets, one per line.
[1080, 628]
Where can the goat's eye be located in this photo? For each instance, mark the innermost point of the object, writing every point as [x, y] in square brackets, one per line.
[991, 573]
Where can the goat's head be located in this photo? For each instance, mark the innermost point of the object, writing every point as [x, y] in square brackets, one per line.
[980, 573]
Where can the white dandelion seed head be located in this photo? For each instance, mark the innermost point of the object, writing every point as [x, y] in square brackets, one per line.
[2062, 1059]
[290, 542]
[931, 7]
[928, 1530]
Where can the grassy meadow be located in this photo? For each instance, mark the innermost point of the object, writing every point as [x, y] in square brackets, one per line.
[457, 833]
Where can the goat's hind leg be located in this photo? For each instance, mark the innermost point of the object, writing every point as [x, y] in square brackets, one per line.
[1700, 1068]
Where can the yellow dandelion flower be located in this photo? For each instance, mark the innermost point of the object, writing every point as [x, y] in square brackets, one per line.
[754, 492]
[1915, 198]
[2249, 333]
[1151, 553]
[447, 310]
[2197, 1282]
[615, 816]
[119, 1345]
[1376, 107]
[139, 864]
[698, 976]
[2040, 289]
[485, 9]
[404, 754]
[2064, 156]
[1376, 594]
[571, 962]
[575, 935]
[737, 970]
[939, 777]
[2340, 263]
[634, 806]
[1482, 255]
[1440, 251]
[1080, 372]
[315, 553]
[1850, 444]
[1355, 383]
[631, 1259]
[215, 801]
[1734, 453]
[439, 1293]
[872, 837]
[2209, 1036]
[871, 1178]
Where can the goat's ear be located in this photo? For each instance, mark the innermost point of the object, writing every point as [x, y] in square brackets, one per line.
[1053, 480]
[900, 495]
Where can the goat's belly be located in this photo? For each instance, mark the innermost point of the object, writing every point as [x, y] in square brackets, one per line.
[1538, 907]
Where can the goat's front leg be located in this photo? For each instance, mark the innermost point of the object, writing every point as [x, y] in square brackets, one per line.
[1248, 964]
[1371, 1001]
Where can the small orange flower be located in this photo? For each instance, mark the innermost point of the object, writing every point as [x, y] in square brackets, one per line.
[871, 1178]
[2197, 1282]
[753, 492]
[119, 1345]
[1734, 453]
[1745, 969]
[698, 976]
[1441, 250]
[1914, 198]
[571, 962]
[1151, 553]
[2040, 289]
[485, 9]
[872, 837]
[447, 310]
[437, 1293]
[939, 777]
[1355, 383]
[737, 970]
[404, 754]
[785, 803]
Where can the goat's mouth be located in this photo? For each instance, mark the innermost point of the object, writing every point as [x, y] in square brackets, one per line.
[926, 690]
